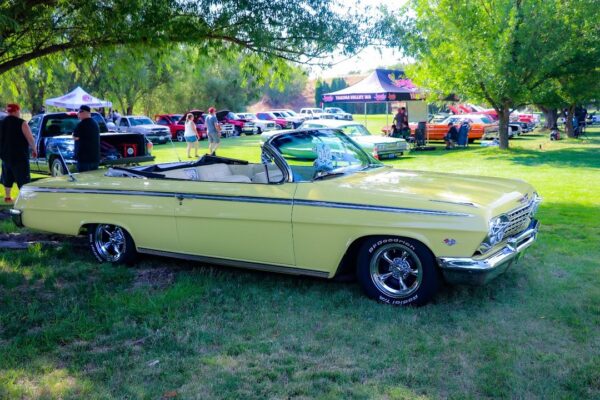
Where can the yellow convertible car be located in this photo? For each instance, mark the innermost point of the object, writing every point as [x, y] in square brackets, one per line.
[401, 232]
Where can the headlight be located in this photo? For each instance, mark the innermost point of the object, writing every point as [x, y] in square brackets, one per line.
[496, 231]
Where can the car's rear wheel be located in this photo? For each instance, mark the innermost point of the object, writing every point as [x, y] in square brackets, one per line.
[57, 168]
[180, 137]
[111, 243]
[397, 271]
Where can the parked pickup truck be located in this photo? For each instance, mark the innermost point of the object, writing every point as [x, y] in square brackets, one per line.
[176, 124]
[144, 125]
[53, 138]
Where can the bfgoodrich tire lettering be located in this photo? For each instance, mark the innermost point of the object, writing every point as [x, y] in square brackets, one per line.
[397, 271]
[111, 243]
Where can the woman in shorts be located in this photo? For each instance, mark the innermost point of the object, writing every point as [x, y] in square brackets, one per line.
[191, 135]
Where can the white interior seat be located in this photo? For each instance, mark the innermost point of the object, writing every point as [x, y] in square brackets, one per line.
[219, 173]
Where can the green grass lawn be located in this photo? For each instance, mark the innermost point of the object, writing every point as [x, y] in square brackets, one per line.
[72, 328]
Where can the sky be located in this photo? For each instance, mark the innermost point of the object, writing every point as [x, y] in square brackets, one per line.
[367, 60]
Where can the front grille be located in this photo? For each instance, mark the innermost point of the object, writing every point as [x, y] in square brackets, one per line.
[519, 219]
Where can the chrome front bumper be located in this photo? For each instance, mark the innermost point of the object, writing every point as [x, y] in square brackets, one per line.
[478, 271]
[16, 216]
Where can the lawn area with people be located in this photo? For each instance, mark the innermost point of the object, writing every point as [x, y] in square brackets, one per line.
[163, 328]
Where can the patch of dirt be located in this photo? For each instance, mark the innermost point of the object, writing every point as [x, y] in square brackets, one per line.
[155, 278]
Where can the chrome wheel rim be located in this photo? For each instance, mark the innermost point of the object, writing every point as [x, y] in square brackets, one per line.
[180, 137]
[109, 241]
[57, 169]
[396, 270]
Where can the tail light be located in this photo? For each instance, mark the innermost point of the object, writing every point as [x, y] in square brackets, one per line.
[149, 147]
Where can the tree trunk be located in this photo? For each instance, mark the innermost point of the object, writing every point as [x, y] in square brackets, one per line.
[550, 116]
[129, 110]
[503, 115]
[569, 121]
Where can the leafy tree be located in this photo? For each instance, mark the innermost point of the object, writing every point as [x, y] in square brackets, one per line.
[500, 51]
[300, 31]
[280, 92]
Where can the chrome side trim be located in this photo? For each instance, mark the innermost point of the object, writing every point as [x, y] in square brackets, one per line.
[250, 199]
[99, 191]
[469, 204]
[236, 263]
[242, 199]
[351, 206]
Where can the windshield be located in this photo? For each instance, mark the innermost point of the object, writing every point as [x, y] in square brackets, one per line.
[333, 110]
[64, 124]
[355, 130]
[321, 153]
[486, 120]
[231, 115]
[135, 121]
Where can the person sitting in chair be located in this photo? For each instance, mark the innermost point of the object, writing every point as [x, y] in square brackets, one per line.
[451, 137]
[394, 131]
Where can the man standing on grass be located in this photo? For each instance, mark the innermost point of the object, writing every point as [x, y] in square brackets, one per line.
[15, 141]
[87, 141]
[213, 129]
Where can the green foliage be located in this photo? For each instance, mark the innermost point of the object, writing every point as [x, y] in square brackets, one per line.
[500, 51]
[299, 31]
[138, 79]
[281, 92]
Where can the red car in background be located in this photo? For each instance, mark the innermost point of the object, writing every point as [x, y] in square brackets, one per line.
[269, 116]
[240, 125]
[176, 124]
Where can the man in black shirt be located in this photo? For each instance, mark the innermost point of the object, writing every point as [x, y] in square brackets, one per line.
[451, 137]
[15, 141]
[87, 141]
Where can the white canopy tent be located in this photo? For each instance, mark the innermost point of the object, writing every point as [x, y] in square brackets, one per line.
[76, 98]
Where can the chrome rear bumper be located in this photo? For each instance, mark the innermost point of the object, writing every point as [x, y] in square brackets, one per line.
[478, 271]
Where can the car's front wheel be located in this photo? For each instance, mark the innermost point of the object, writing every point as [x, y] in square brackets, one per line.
[180, 136]
[397, 271]
[111, 243]
[259, 130]
[57, 168]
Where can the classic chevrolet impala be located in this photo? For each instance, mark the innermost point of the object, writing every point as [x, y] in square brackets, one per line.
[401, 232]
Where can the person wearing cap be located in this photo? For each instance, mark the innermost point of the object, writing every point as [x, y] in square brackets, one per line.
[87, 141]
[213, 130]
[15, 141]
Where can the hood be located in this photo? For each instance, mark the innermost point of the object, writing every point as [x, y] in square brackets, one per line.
[431, 190]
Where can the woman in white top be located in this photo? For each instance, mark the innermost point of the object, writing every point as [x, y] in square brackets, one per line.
[191, 134]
